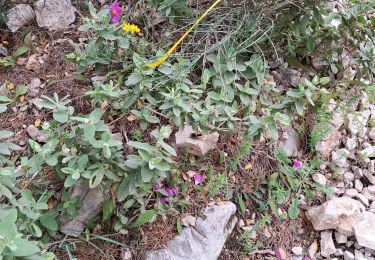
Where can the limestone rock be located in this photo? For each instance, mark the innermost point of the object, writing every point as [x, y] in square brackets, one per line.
[348, 255]
[368, 152]
[351, 193]
[319, 179]
[197, 145]
[289, 142]
[339, 157]
[35, 63]
[351, 144]
[35, 134]
[338, 213]
[297, 250]
[340, 238]
[327, 247]
[369, 176]
[54, 14]
[338, 119]
[330, 141]
[364, 231]
[206, 240]
[92, 203]
[371, 134]
[19, 15]
[188, 221]
[33, 87]
[358, 185]
[357, 121]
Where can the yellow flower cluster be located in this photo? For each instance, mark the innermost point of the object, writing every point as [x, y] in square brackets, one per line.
[127, 27]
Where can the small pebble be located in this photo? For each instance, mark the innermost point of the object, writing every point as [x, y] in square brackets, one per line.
[241, 223]
[340, 238]
[319, 179]
[349, 176]
[350, 243]
[363, 199]
[24, 108]
[358, 255]
[297, 250]
[339, 252]
[351, 193]
[267, 233]
[358, 185]
[371, 188]
[348, 255]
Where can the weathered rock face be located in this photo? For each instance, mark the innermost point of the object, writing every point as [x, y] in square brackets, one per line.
[198, 145]
[358, 121]
[92, 203]
[365, 231]
[19, 15]
[339, 214]
[326, 146]
[54, 14]
[289, 143]
[33, 87]
[203, 242]
[326, 244]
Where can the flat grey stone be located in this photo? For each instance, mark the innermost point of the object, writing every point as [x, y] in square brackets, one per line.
[290, 142]
[199, 145]
[204, 241]
[92, 203]
[364, 231]
[19, 15]
[54, 14]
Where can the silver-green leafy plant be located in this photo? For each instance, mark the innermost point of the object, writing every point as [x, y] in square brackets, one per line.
[81, 149]
[152, 163]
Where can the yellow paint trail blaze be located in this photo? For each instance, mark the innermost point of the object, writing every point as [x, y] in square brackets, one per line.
[162, 59]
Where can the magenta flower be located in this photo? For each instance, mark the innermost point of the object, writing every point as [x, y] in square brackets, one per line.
[164, 199]
[156, 187]
[171, 192]
[198, 178]
[297, 164]
[116, 11]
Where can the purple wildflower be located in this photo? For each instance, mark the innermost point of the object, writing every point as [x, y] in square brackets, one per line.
[164, 199]
[297, 164]
[157, 186]
[198, 178]
[275, 220]
[115, 11]
[171, 192]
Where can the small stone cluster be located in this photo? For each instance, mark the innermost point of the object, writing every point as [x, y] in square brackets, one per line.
[347, 220]
[50, 14]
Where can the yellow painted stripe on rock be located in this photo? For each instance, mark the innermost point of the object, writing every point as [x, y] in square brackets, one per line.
[160, 61]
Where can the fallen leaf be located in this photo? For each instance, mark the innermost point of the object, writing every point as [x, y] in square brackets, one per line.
[131, 118]
[37, 122]
[50, 203]
[248, 166]
[10, 85]
[22, 98]
[185, 176]
[313, 248]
